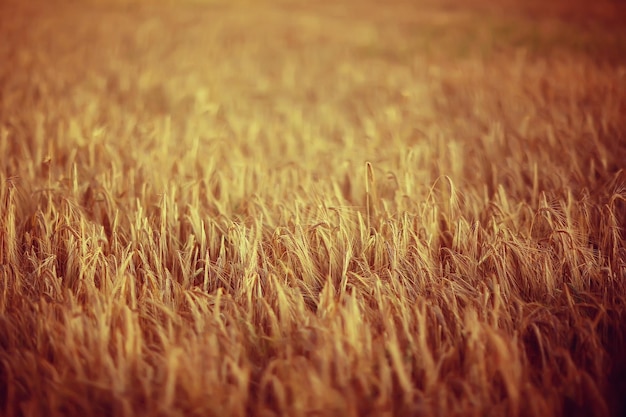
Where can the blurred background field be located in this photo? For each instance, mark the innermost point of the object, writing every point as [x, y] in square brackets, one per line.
[312, 208]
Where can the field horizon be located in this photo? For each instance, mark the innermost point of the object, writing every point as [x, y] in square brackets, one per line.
[285, 208]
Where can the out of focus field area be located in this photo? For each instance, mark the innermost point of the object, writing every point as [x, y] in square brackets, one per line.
[290, 208]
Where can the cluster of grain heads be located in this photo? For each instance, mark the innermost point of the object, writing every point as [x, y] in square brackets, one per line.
[443, 309]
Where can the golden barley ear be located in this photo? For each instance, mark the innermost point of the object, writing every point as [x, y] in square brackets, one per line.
[371, 197]
[8, 229]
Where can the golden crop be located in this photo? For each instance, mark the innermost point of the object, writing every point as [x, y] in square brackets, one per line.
[289, 208]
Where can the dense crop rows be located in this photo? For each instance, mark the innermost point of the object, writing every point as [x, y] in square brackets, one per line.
[336, 209]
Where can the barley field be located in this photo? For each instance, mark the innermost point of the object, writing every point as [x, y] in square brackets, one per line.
[330, 208]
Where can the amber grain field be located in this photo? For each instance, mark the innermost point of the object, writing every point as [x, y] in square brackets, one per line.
[291, 208]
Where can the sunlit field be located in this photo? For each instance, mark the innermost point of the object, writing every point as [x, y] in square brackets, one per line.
[329, 208]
